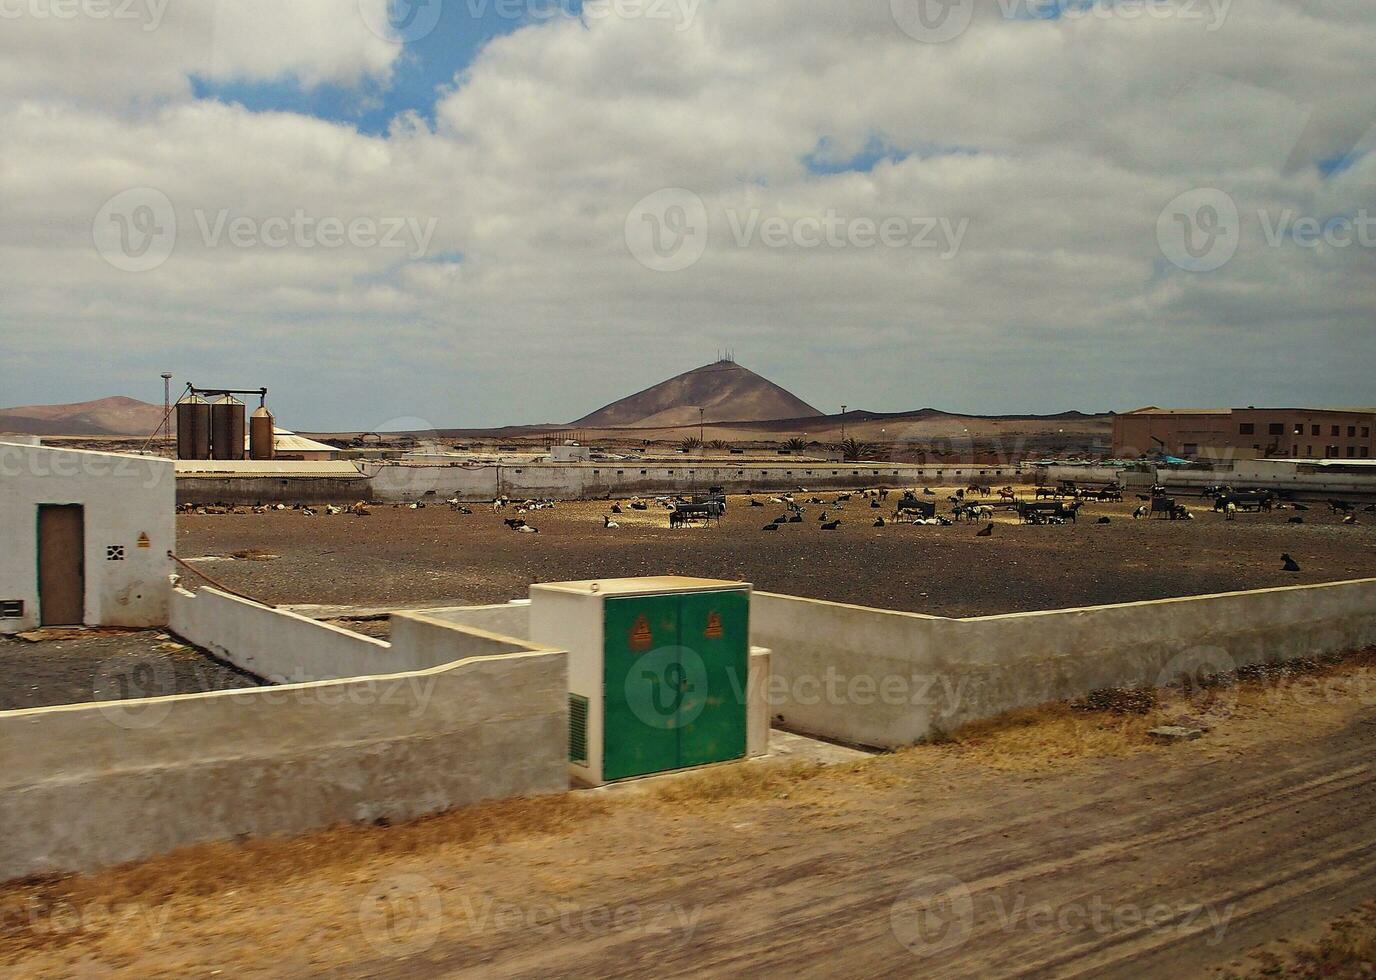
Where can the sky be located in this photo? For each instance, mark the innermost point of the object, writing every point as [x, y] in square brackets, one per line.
[433, 213]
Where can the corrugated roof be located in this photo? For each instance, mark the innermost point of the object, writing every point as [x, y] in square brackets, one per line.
[286, 441]
[267, 467]
[1153, 410]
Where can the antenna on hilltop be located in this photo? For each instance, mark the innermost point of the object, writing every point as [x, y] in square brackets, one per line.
[728, 355]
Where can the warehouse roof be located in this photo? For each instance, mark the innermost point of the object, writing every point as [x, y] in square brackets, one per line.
[286, 441]
[266, 467]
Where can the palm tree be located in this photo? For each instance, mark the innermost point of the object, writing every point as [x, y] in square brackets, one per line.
[718, 444]
[691, 445]
[854, 450]
[796, 445]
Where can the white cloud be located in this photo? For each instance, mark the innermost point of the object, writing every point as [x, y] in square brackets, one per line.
[114, 53]
[1059, 142]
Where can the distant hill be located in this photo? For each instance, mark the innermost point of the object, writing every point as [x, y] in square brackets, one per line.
[118, 416]
[725, 391]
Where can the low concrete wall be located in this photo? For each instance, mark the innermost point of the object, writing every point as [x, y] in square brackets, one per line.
[277, 645]
[757, 703]
[584, 481]
[887, 679]
[85, 786]
[203, 490]
[508, 619]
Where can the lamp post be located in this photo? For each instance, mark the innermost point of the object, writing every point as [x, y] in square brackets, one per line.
[843, 423]
[702, 422]
[167, 405]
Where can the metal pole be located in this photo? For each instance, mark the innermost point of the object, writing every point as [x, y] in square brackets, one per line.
[843, 423]
[167, 405]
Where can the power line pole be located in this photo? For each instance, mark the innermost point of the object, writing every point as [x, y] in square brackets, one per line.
[843, 423]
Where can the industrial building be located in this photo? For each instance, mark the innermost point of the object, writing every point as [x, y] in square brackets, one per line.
[1246, 433]
[84, 538]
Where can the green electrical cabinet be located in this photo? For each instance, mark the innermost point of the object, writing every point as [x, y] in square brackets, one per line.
[658, 671]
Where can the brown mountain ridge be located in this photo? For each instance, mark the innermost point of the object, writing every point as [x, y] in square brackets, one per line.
[724, 391]
[117, 416]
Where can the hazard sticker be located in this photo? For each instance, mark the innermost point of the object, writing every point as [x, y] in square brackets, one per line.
[144, 541]
[641, 637]
[713, 625]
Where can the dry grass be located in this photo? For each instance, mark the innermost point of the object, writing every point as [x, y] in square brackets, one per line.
[195, 883]
[179, 882]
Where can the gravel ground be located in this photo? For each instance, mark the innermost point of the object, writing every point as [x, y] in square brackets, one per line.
[435, 555]
[105, 665]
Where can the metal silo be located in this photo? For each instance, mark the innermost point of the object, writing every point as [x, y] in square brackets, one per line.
[260, 434]
[227, 429]
[193, 428]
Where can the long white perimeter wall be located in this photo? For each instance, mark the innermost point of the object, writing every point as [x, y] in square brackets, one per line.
[88, 785]
[583, 481]
[888, 679]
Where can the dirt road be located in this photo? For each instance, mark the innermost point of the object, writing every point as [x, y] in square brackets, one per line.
[1140, 869]
[1050, 844]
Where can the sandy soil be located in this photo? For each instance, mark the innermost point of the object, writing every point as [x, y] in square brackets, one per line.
[434, 555]
[107, 665]
[1049, 843]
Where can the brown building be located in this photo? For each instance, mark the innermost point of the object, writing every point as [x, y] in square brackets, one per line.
[1213, 433]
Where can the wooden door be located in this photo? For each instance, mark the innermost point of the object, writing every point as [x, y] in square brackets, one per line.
[61, 565]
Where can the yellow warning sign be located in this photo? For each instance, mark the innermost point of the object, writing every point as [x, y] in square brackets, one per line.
[144, 542]
[641, 637]
[713, 625]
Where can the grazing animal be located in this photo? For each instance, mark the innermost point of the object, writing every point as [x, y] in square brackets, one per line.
[770, 527]
[1369, 509]
[1230, 509]
[879, 522]
[755, 503]
[527, 529]
[514, 523]
[1140, 512]
[928, 492]
[1295, 520]
[874, 504]
[1290, 564]
[822, 519]
[1104, 520]
[831, 525]
[796, 519]
[640, 506]
[607, 522]
[1349, 519]
[616, 508]
[1300, 507]
[988, 532]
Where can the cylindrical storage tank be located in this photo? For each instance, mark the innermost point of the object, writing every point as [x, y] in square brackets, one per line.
[193, 428]
[260, 434]
[227, 429]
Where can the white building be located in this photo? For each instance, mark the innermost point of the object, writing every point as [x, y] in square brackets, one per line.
[84, 538]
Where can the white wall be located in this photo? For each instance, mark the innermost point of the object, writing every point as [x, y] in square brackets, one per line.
[286, 648]
[581, 481]
[276, 645]
[84, 786]
[887, 679]
[124, 496]
[507, 619]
